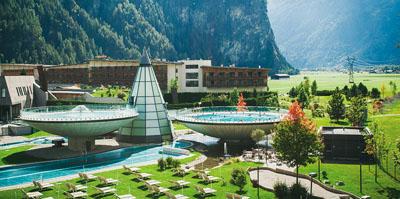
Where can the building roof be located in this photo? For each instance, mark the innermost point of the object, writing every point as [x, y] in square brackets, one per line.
[343, 131]
[282, 75]
[19, 88]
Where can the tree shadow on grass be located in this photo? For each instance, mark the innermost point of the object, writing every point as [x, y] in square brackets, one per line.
[392, 192]
[343, 123]
[20, 158]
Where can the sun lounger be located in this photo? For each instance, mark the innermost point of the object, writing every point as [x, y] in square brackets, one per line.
[42, 185]
[235, 196]
[87, 177]
[159, 190]
[153, 182]
[131, 169]
[32, 195]
[180, 171]
[172, 196]
[209, 179]
[179, 183]
[74, 188]
[143, 175]
[106, 190]
[199, 173]
[126, 196]
[204, 191]
[78, 194]
[107, 181]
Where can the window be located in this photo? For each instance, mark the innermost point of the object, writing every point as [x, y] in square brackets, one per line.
[221, 74]
[240, 74]
[17, 91]
[24, 88]
[250, 74]
[211, 74]
[192, 83]
[192, 75]
[232, 74]
[259, 74]
[3, 92]
[176, 70]
[192, 66]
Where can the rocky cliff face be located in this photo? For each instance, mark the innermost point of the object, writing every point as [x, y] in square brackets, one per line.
[70, 31]
[323, 32]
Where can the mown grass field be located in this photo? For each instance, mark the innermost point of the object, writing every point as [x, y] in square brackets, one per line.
[127, 183]
[330, 80]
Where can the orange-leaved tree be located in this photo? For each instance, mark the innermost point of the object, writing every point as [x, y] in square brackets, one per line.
[296, 139]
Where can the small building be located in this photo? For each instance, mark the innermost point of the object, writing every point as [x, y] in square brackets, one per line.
[18, 92]
[280, 76]
[344, 143]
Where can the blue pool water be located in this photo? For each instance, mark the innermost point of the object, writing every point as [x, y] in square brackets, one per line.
[14, 175]
[236, 117]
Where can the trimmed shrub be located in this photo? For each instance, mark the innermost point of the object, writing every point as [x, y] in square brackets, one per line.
[298, 191]
[281, 190]
[162, 164]
[169, 161]
[175, 163]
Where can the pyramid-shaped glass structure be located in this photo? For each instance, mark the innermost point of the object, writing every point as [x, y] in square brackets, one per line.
[152, 124]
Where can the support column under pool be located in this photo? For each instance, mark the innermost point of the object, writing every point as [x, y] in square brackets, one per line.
[82, 144]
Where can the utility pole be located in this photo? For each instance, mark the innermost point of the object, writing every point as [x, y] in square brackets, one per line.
[350, 65]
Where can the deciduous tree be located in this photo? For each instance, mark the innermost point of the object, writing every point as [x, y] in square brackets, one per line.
[296, 139]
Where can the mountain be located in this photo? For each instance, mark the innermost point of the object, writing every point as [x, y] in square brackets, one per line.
[324, 32]
[71, 31]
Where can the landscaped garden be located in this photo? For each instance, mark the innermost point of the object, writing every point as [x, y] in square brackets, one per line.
[129, 184]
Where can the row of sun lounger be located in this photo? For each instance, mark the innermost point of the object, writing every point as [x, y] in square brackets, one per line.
[79, 191]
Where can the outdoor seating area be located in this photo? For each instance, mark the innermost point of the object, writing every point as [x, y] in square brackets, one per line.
[195, 184]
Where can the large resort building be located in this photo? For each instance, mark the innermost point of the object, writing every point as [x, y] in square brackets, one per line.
[192, 75]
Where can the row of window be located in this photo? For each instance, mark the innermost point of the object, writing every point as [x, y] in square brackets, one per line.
[233, 74]
[24, 90]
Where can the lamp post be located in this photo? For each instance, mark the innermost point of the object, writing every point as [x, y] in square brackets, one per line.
[312, 176]
[258, 182]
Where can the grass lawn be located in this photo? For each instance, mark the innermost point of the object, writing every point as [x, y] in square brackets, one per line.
[129, 185]
[329, 81]
[179, 126]
[350, 175]
[112, 92]
[16, 156]
[38, 134]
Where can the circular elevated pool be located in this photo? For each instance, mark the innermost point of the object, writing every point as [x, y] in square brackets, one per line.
[81, 120]
[230, 123]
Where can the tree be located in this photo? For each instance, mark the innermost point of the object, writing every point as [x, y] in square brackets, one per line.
[383, 89]
[296, 139]
[293, 92]
[357, 112]
[375, 93]
[162, 164]
[362, 89]
[336, 107]
[306, 85]
[234, 97]
[393, 87]
[239, 178]
[281, 190]
[396, 156]
[257, 135]
[302, 98]
[377, 106]
[353, 92]
[174, 90]
[314, 88]
[375, 145]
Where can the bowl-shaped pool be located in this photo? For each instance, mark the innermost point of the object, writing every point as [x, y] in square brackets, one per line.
[230, 123]
[81, 120]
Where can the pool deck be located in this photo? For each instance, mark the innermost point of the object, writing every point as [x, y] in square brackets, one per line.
[5, 139]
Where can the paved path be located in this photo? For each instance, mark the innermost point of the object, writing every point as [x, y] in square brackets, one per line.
[269, 178]
[386, 115]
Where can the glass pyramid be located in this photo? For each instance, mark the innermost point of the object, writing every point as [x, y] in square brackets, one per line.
[152, 124]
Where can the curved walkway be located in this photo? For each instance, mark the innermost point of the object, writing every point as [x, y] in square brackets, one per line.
[269, 178]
